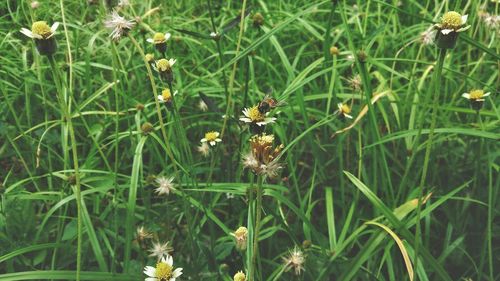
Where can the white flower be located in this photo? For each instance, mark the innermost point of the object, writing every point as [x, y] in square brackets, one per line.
[159, 250]
[214, 34]
[212, 138]
[166, 96]
[452, 22]
[164, 270]
[253, 115]
[119, 25]
[40, 30]
[344, 110]
[165, 185]
[476, 95]
[204, 149]
[159, 38]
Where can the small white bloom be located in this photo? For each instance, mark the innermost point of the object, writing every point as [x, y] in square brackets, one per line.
[119, 25]
[214, 34]
[165, 185]
[212, 138]
[164, 270]
[159, 38]
[253, 115]
[40, 30]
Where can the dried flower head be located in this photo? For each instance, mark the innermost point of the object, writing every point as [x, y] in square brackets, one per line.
[334, 51]
[263, 157]
[142, 234]
[240, 276]
[258, 19]
[147, 128]
[203, 149]
[355, 83]
[160, 250]
[211, 137]
[119, 25]
[295, 260]
[427, 37]
[241, 236]
[165, 185]
[164, 270]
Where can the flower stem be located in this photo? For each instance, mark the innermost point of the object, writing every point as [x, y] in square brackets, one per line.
[258, 217]
[76, 189]
[437, 89]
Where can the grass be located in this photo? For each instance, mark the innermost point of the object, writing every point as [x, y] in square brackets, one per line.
[405, 190]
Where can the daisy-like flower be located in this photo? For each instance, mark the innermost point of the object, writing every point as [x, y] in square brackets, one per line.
[160, 41]
[241, 236]
[295, 260]
[43, 36]
[164, 67]
[165, 185]
[203, 149]
[166, 96]
[263, 158]
[211, 137]
[119, 25]
[160, 250]
[452, 23]
[344, 110]
[253, 116]
[164, 270]
[476, 98]
[239, 276]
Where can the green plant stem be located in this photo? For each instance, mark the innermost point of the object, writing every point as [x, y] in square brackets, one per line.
[76, 189]
[158, 109]
[437, 89]
[258, 217]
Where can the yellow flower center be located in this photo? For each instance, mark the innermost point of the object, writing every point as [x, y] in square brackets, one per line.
[163, 65]
[166, 95]
[163, 271]
[240, 276]
[255, 115]
[149, 57]
[476, 94]
[41, 28]
[159, 38]
[211, 136]
[263, 140]
[346, 109]
[451, 20]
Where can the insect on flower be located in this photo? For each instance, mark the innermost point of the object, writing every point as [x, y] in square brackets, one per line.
[269, 103]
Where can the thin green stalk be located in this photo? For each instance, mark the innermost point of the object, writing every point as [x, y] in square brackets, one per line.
[76, 188]
[437, 89]
[258, 217]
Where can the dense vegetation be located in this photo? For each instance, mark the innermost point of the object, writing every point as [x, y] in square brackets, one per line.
[284, 140]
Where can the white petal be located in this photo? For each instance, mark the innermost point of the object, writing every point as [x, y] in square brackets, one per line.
[217, 134]
[464, 18]
[177, 272]
[466, 95]
[170, 260]
[54, 27]
[160, 98]
[463, 28]
[247, 120]
[167, 36]
[339, 105]
[172, 61]
[446, 31]
[486, 94]
[27, 32]
[175, 93]
[212, 143]
[151, 279]
[150, 40]
[150, 271]
[203, 140]
[348, 116]
[218, 140]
